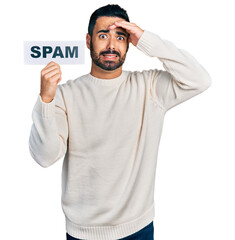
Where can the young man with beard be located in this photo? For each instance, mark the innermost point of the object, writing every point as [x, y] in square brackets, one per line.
[108, 124]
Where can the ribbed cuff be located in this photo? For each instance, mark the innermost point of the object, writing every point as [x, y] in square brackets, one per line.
[46, 110]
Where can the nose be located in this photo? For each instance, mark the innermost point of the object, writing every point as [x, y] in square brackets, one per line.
[111, 43]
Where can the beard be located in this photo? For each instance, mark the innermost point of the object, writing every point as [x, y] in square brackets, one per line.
[106, 64]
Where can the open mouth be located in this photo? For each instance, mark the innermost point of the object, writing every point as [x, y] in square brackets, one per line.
[109, 56]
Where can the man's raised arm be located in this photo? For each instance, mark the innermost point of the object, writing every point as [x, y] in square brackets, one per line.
[49, 131]
[184, 77]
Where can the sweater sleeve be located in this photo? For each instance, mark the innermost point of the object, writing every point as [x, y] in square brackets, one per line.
[184, 77]
[49, 131]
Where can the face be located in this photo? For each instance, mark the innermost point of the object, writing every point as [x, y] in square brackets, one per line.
[108, 48]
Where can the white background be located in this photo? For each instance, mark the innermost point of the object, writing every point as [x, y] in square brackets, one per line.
[194, 189]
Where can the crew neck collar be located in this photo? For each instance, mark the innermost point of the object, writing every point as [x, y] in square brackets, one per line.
[107, 82]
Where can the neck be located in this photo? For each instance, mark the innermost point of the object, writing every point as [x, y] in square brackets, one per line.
[104, 74]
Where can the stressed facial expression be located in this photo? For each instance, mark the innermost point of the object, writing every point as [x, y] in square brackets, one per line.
[108, 48]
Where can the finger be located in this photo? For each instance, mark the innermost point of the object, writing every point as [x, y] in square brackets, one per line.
[56, 77]
[127, 29]
[52, 73]
[125, 25]
[52, 63]
[125, 22]
[59, 80]
[48, 69]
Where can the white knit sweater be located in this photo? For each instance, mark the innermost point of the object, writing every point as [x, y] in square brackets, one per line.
[109, 131]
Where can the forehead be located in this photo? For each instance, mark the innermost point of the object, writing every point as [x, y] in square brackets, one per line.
[104, 22]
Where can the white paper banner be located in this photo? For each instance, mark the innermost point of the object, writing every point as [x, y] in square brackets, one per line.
[61, 52]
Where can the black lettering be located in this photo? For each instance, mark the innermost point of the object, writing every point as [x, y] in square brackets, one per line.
[71, 53]
[35, 49]
[58, 52]
[46, 50]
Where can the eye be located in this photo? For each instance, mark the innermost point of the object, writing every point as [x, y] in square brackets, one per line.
[102, 35]
[121, 37]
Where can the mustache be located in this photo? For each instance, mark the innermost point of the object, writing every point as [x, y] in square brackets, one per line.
[111, 52]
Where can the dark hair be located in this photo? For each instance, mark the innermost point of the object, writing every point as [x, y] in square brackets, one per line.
[110, 10]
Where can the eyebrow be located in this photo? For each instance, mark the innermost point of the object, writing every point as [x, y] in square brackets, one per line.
[106, 31]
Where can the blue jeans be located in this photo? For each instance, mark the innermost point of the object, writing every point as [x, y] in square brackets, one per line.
[146, 233]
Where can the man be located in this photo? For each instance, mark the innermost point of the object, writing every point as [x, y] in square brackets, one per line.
[108, 125]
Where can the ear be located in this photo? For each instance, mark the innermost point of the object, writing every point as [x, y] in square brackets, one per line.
[88, 40]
